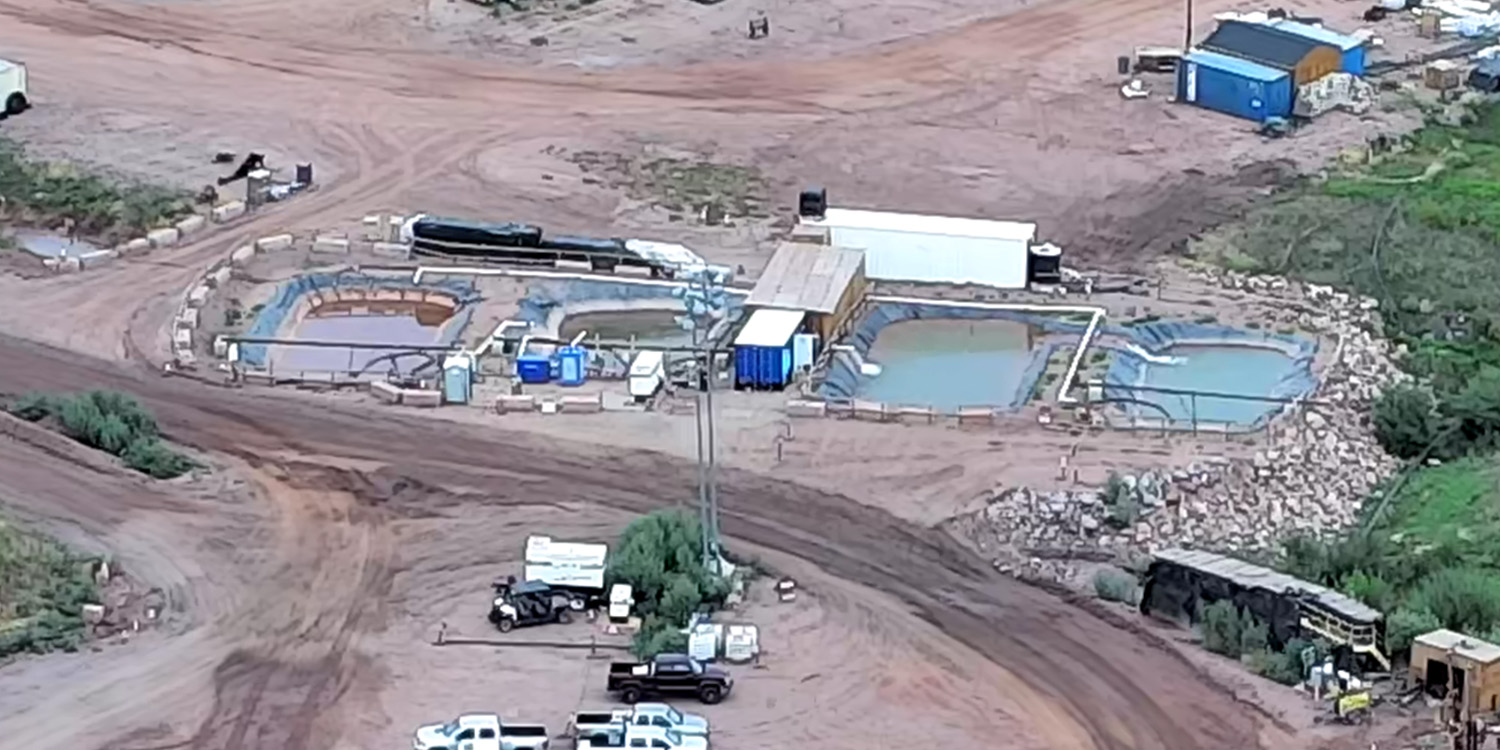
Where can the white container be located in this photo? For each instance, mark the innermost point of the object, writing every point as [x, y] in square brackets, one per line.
[647, 373]
[13, 91]
[703, 641]
[741, 643]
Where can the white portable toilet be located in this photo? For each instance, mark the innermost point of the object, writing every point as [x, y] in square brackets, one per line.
[458, 378]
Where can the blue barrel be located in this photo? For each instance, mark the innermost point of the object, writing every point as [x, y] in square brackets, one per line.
[572, 365]
[533, 368]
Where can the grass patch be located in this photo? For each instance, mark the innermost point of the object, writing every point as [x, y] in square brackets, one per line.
[46, 193]
[112, 422]
[43, 588]
[682, 186]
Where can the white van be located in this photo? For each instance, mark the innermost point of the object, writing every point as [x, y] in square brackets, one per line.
[13, 88]
[647, 372]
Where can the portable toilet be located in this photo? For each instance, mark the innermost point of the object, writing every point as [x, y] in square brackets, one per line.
[458, 378]
[534, 368]
[572, 365]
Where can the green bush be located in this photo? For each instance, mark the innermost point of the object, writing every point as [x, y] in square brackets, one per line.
[660, 556]
[43, 588]
[1370, 589]
[1222, 627]
[1463, 599]
[1120, 504]
[47, 192]
[1406, 421]
[1254, 636]
[1404, 625]
[112, 422]
[1115, 586]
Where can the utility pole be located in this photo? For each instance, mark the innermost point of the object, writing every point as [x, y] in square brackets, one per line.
[1187, 32]
[704, 302]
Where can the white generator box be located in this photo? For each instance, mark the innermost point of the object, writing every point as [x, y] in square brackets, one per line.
[14, 98]
[703, 641]
[565, 563]
[741, 643]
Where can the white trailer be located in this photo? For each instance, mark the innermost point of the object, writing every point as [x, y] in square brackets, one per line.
[13, 93]
[941, 249]
[569, 566]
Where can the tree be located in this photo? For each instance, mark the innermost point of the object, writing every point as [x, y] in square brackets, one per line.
[1406, 420]
[1404, 625]
[1221, 625]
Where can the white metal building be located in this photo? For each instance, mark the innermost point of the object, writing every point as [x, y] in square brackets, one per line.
[910, 247]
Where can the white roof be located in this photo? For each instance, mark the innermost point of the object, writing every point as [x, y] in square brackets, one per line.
[849, 218]
[541, 549]
[1483, 652]
[769, 328]
[647, 362]
[665, 252]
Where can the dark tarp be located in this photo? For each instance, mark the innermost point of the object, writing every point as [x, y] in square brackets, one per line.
[1259, 43]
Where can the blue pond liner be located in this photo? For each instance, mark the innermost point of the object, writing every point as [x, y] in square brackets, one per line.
[842, 379]
[271, 317]
[1269, 365]
[542, 298]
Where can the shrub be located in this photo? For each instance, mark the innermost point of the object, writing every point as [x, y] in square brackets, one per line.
[33, 407]
[1283, 666]
[43, 588]
[1121, 507]
[1115, 586]
[112, 422]
[660, 556]
[1254, 637]
[97, 206]
[152, 458]
[658, 636]
[1406, 420]
[1222, 627]
[1404, 625]
[1370, 589]
[1465, 599]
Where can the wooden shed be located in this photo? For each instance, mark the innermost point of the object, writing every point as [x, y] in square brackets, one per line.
[1444, 659]
[1307, 59]
[825, 282]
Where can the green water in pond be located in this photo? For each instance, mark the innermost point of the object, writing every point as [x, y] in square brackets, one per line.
[1239, 370]
[648, 327]
[948, 363]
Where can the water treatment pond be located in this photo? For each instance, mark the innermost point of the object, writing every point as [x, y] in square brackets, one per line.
[647, 327]
[949, 363]
[402, 324]
[49, 245]
[1239, 370]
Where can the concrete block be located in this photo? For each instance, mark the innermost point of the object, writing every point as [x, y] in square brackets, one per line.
[137, 245]
[917, 414]
[871, 410]
[505, 404]
[69, 265]
[185, 358]
[330, 245]
[182, 338]
[581, 404]
[198, 296]
[386, 392]
[423, 399]
[803, 408]
[229, 211]
[373, 226]
[218, 277]
[391, 250]
[50, 264]
[163, 237]
[191, 224]
[242, 255]
[188, 318]
[273, 243]
[975, 415]
[393, 227]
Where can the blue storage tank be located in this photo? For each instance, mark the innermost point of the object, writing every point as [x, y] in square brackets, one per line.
[763, 350]
[534, 368]
[1234, 86]
[458, 379]
[1351, 49]
[572, 364]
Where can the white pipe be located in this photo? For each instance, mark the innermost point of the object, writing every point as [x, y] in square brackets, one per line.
[1098, 314]
[571, 275]
[525, 341]
[578, 338]
[499, 332]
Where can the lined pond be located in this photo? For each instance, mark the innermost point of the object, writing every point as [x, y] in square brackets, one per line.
[1228, 369]
[391, 323]
[947, 363]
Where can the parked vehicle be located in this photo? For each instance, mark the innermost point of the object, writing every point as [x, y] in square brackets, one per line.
[669, 674]
[481, 732]
[528, 603]
[13, 92]
[658, 715]
[640, 738]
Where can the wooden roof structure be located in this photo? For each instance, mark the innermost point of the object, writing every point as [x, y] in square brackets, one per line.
[807, 277]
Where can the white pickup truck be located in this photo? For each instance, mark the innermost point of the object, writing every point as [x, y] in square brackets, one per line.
[659, 715]
[631, 737]
[13, 94]
[480, 732]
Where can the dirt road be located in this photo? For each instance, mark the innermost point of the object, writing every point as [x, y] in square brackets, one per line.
[332, 476]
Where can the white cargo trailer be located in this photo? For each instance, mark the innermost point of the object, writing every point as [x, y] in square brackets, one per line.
[940, 249]
[569, 566]
[14, 98]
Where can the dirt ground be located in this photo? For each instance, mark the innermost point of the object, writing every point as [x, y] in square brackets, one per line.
[304, 575]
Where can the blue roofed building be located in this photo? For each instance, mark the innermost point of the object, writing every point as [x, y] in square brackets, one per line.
[1351, 49]
[1234, 86]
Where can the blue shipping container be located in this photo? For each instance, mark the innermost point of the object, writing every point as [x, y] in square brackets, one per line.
[571, 369]
[762, 366]
[534, 368]
[1234, 86]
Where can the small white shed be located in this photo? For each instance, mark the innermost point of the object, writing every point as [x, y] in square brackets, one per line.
[943, 249]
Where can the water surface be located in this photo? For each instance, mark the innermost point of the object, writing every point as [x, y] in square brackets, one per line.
[948, 363]
[364, 329]
[1239, 370]
[648, 327]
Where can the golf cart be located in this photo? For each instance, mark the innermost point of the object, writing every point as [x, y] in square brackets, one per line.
[528, 603]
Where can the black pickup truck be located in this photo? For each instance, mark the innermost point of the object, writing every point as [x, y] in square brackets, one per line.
[669, 675]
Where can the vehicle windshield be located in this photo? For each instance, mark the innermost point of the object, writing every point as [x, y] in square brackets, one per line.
[673, 737]
[450, 729]
[674, 715]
